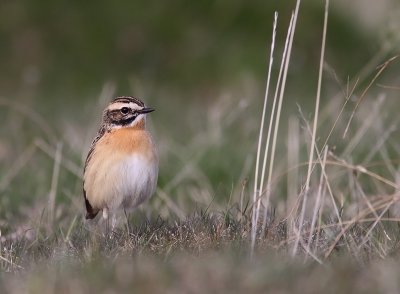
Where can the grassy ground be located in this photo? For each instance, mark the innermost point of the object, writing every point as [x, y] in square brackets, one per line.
[330, 225]
[200, 254]
[194, 235]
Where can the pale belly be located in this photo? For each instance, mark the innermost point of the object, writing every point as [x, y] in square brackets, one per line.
[122, 183]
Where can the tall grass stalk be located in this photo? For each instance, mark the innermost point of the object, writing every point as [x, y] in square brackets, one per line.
[314, 131]
[260, 189]
[256, 194]
[293, 154]
[54, 182]
[317, 205]
[279, 89]
[285, 64]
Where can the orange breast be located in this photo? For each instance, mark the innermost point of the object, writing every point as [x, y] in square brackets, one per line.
[101, 179]
[129, 140]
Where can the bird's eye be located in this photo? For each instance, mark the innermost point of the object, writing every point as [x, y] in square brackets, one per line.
[124, 110]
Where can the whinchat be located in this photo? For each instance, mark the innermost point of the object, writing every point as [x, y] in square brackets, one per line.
[121, 168]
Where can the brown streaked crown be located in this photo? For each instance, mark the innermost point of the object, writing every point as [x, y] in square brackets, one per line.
[128, 99]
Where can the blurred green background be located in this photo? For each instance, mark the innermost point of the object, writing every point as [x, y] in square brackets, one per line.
[63, 52]
[201, 64]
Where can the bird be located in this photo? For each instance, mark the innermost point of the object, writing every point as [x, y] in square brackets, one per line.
[121, 168]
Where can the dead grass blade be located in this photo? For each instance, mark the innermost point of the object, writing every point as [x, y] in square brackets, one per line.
[315, 124]
[360, 99]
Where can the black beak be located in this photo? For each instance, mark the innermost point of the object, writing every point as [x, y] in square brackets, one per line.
[145, 110]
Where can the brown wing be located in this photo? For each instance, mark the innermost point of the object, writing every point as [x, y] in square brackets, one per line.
[90, 211]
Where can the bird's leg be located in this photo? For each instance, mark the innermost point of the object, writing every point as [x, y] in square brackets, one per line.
[105, 213]
[107, 222]
[128, 227]
[113, 222]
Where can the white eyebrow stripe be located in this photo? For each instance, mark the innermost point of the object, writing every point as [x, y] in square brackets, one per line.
[119, 105]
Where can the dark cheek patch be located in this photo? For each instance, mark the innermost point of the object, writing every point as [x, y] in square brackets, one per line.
[127, 121]
[117, 118]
